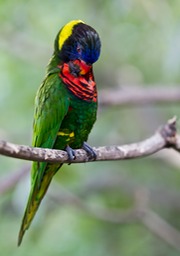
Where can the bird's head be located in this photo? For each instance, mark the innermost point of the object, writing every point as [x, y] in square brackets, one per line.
[78, 41]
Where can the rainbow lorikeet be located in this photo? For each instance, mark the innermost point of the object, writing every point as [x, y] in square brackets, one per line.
[65, 106]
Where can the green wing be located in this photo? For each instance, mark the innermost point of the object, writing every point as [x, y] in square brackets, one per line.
[51, 106]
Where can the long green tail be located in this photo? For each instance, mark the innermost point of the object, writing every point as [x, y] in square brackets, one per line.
[36, 195]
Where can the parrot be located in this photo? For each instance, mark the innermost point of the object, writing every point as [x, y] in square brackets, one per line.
[65, 107]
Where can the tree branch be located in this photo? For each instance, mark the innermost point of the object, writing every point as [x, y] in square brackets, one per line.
[165, 137]
[136, 95]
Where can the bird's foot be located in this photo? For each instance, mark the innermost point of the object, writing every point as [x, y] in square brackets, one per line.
[92, 155]
[71, 154]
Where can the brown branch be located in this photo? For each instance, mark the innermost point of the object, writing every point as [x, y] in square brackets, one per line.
[164, 137]
[133, 96]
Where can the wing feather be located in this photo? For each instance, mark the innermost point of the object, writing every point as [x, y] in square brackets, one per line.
[51, 106]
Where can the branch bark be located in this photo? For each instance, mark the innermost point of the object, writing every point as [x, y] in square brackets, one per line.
[165, 137]
[133, 96]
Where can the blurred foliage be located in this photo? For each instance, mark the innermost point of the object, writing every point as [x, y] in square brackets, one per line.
[141, 47]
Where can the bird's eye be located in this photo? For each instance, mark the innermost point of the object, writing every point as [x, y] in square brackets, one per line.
[78, 49]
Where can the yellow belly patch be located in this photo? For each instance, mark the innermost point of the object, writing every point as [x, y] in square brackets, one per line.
[66, 134]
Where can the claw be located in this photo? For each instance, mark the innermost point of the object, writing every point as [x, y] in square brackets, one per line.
[89, 150]
[71, 154]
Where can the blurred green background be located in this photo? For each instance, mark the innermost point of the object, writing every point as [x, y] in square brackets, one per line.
[82, 212]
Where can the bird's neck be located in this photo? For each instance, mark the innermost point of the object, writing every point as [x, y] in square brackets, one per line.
[52, 66]
[79, 79]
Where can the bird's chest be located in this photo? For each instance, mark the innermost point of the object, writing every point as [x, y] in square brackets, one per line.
[78, 123]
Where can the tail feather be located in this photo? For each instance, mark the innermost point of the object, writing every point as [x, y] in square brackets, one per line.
[36, 195]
